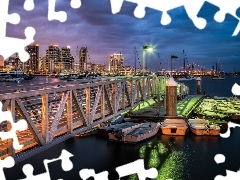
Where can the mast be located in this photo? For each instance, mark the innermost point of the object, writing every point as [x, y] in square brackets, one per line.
[216, 67]
[159, 62]
[135, 63]
[184, 62]
[86, 60]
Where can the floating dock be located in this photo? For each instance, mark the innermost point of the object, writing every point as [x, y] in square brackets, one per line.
[216, 109]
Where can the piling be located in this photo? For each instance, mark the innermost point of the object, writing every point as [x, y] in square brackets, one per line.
[199, 85]
[171, 98]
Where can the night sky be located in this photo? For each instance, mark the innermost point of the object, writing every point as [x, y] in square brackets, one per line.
[94, 26]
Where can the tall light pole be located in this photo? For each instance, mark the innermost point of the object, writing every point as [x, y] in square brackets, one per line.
[145, 48]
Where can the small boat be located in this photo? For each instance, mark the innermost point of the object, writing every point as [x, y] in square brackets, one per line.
[203, 127]
[135, 133]
[103, 131]
[174, 127]
[13, 79]
[89, 132]
[63, 76]
[28, 77]
[186, 77]
[218, 77]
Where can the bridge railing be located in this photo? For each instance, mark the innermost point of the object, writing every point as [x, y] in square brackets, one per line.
[59, 111]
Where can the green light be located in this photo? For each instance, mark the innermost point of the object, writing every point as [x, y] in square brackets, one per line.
[154, 159]
[173, 167]
[161, 148]
[150, 49]
[142, 152]
[149, 145]
[170, 162]
[133, 177]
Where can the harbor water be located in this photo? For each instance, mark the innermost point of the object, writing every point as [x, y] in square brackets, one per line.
[176, 157]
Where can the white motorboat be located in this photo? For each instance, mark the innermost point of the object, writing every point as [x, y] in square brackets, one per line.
[13, 79]
[11, 76]
[203, 127]
[103, 131]
[174, 127]
[218, 78]
[186, 77]
[135, 134]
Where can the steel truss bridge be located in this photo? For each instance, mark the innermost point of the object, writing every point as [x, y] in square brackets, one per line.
[56, 112]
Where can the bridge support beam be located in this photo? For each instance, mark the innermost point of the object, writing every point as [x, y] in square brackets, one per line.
[45, 132]
[11, 107]
[88, 104]
[69, 113]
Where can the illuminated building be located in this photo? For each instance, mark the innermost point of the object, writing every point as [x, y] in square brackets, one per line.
[66, 58]
[53, 60]
[31, 66]
[127, 70]
[83, 59]
[42, 65]
[14, 63]
[1, 63]
[115, 63]
[90, 67]
[100, 68]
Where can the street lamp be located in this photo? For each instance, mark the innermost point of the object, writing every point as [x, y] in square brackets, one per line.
[149, 49]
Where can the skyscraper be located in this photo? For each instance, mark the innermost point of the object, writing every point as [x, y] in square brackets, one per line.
[66, 58]
[116, 63]
[53, 60]
[42, 65]
[83, 59]
[31, 66]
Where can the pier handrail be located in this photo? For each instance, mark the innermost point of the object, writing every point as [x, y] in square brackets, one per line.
[58, 111]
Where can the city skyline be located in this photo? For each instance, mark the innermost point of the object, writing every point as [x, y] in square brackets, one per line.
[95, 27]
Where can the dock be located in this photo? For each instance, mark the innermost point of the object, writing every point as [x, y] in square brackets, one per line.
[190, 107]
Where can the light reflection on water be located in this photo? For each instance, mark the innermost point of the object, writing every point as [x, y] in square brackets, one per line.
[178, 157]
[37, 79]
[168, 155]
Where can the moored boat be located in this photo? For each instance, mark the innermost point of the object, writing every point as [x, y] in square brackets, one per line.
[218, 78]
[218, 74]
[186, 77]
[13, 79]
[174, 127]
[203, 127]
[103, 131]
[135, 134]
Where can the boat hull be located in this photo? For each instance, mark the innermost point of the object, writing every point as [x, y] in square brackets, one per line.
[131, 138]
[174, 131]
[218, 78]
[202, 132]
[174, 127]
[104, 131]
[13, 79]
[201, 127]
[184, 79]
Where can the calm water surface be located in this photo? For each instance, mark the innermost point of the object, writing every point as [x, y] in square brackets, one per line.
[180, 158]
